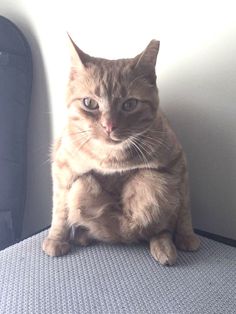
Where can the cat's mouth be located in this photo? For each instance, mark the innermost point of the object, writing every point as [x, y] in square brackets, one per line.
[112, 140]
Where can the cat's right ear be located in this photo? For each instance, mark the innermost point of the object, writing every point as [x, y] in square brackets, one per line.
[149, 56]
[79, 59]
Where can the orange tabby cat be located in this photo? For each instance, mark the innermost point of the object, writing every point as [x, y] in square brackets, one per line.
[119, 172]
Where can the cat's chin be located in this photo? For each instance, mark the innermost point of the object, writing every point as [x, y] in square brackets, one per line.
[113, 142]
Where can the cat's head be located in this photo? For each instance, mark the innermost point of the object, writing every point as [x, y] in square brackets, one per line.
[113, 100]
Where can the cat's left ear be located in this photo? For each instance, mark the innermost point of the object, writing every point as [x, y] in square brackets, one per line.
[149, 55]
[79, 59]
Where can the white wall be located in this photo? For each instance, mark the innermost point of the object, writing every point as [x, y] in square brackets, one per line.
[196, 75]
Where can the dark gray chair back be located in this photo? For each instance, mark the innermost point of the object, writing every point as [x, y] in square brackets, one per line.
[15, 94]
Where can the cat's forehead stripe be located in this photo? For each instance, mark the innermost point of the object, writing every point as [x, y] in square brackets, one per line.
[110, 81]
[97, 91]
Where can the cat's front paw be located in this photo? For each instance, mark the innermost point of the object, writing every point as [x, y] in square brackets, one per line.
[187, 242]
[80, 236]
[55, 247]
[163, 251]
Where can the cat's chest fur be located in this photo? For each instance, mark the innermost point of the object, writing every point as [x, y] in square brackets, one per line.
[113, 183]
[107, 207]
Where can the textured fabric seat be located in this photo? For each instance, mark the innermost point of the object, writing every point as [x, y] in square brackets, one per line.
[116, 279]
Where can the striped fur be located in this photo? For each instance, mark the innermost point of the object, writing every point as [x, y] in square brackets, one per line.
[130, 185]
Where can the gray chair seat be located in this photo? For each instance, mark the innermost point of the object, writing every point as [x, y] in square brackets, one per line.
[116, 279]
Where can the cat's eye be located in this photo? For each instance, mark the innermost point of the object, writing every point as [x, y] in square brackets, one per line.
[130, 105]
[90, 103]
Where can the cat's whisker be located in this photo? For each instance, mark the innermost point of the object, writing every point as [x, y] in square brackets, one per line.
[129, 149]
[133, 145]
[162, 144]
[156, 140]
[45, 162]
[76, 136]
[152, 143]
[40, 148]
[79, 148]
[140, 152]
[143, 154]
[77, 142]
[79, 132]
[143, 148]
[156, 131]
[144, 144]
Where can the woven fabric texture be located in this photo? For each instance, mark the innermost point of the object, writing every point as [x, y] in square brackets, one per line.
[116, 279]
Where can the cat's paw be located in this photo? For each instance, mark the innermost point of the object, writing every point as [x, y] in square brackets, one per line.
[187, 242]
[55, 248]
[82, 240]
[163, 251]
[80, 236]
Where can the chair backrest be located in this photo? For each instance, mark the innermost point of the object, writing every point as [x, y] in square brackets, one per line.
[15, 95]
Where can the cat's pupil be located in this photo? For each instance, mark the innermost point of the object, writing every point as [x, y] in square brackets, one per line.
[90, 103]
[130, 105]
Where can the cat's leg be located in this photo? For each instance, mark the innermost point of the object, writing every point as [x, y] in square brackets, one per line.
[185, 238]
[163, 249]
[57, 241]
[83, 193]
[93, 209]
[150, 201]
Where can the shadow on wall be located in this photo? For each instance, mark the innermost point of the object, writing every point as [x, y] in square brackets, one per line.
[38, 199]
[198, 96]
[211, 158]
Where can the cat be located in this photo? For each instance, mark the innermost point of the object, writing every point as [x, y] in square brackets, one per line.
[119, 172]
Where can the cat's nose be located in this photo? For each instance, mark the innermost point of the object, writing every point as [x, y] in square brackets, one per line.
[109, 126]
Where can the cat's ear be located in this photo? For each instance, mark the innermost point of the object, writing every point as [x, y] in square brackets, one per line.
[79, 59]
[149, 55]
